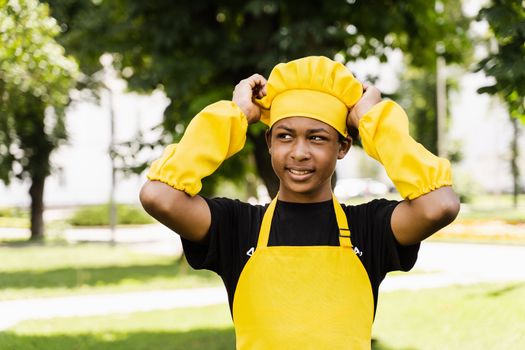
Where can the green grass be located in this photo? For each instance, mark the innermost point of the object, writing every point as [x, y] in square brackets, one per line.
[494, 207]
[495, 200]
[509, 215]
[172, 329]
[472, 317]
[30, 270]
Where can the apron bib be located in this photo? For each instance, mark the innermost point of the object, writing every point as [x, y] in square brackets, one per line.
[314, 297]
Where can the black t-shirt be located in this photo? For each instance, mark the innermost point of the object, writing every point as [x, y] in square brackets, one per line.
[235, 229]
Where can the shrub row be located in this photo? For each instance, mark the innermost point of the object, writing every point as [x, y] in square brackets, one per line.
[98, 215]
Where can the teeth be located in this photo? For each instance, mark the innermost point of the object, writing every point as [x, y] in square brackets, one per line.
[299, 172]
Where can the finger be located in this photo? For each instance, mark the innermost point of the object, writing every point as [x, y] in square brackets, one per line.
[256, 79]
[264, 91]
[258, 84]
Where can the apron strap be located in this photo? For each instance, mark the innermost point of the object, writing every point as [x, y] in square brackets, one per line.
[264, 232]
[342, 223]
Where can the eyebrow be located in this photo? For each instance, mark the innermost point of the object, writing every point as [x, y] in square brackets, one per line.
[310, 131]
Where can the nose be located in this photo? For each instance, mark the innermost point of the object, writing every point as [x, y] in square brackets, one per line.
[300, 150]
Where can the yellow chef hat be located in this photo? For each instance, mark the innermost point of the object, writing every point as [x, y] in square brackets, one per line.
[314, 87]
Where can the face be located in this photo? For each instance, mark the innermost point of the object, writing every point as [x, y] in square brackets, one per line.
[304, 152]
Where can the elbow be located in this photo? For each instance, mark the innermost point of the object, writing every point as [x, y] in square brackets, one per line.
[146, 198]
[444, 211]
[149, 199]
[160, 200]
[450, 210]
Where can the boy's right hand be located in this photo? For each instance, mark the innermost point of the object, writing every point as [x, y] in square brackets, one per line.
[371, 96]
[245, 91]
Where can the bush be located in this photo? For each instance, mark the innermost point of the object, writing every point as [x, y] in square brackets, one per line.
[99, 216]
[12, 212]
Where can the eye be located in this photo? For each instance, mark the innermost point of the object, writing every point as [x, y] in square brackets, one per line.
[284, 136]
[318, 138]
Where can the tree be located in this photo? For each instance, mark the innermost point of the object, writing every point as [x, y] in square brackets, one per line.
[35, 78]
[197, 51]
[418, 90]
[504, 63]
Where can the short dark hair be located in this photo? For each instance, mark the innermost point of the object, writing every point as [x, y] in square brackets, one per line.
[353, 133]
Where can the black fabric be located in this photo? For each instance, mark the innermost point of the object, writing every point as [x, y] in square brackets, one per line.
[235, 229]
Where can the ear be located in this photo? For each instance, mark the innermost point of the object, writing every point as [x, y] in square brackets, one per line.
[344, 147]
[268, 136]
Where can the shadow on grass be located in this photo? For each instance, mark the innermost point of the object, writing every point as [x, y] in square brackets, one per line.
[506, 289]
[379, 345]
[205, 339]
[95, 276]
[210, 339]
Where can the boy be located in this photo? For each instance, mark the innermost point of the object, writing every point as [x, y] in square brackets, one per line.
[302, 272]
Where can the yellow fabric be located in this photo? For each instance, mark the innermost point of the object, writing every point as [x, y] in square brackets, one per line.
[413, 169]
[303, 297]
[315, 87]
[215, 134]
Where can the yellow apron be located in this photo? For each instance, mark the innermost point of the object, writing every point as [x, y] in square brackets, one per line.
[297, 297]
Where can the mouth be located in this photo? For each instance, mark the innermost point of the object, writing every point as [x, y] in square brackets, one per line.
[300, 174]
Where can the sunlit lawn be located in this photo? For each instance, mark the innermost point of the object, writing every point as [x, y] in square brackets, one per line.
[474, 317]
[59, 269]
[468, 317]
[200, 328]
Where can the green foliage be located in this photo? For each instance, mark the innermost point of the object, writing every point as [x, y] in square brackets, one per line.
[35, 78]
[417, 92]
[197, 51]
[504, 62]
[13, 218]
[99, 216]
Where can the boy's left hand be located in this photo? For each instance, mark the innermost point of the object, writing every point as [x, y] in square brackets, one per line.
[371, 97]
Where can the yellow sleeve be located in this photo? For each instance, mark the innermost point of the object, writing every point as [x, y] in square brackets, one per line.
[411, 167]
[213, 135]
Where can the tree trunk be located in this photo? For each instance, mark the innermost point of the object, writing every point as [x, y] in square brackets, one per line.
[263, 163]
[36, 191]
[514, 162]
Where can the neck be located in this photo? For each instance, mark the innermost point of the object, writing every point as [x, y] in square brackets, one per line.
[320, 195]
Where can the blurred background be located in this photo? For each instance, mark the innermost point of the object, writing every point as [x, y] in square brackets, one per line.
[92, 90]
